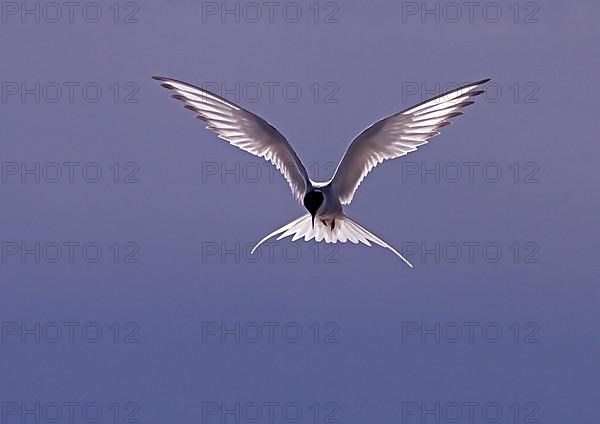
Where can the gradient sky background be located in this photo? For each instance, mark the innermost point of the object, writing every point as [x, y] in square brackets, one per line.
[545, 119]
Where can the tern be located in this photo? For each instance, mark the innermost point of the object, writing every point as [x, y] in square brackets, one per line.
[389, 138]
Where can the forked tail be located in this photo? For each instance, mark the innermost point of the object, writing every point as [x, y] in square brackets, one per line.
[345, 230]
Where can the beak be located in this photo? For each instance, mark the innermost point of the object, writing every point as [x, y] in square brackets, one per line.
[313, 221]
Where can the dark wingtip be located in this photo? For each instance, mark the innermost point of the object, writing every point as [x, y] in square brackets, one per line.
[454, 114]
[178, 97]
[483, 81]
[158, 78]
[476, 93]
[167, 86]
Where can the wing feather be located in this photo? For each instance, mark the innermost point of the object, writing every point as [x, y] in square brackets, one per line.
[242, 129]
[398, 135]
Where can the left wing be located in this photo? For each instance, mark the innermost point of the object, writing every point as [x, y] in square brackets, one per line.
[243, 129]
[398, 135]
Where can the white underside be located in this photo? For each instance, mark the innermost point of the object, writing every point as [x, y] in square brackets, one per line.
[345, 230]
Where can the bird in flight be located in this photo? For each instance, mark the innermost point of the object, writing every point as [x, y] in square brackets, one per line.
[325, 219]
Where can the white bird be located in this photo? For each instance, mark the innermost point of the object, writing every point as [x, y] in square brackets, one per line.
[388, 138]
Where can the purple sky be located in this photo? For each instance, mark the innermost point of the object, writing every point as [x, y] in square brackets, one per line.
[175, 209]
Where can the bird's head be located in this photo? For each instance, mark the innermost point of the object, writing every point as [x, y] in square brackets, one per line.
[312, 202]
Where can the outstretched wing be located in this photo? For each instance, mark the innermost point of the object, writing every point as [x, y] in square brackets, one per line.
[398, 135]
[242, 129]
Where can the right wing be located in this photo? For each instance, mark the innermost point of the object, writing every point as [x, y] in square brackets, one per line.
[398, 135]
[243, 129]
